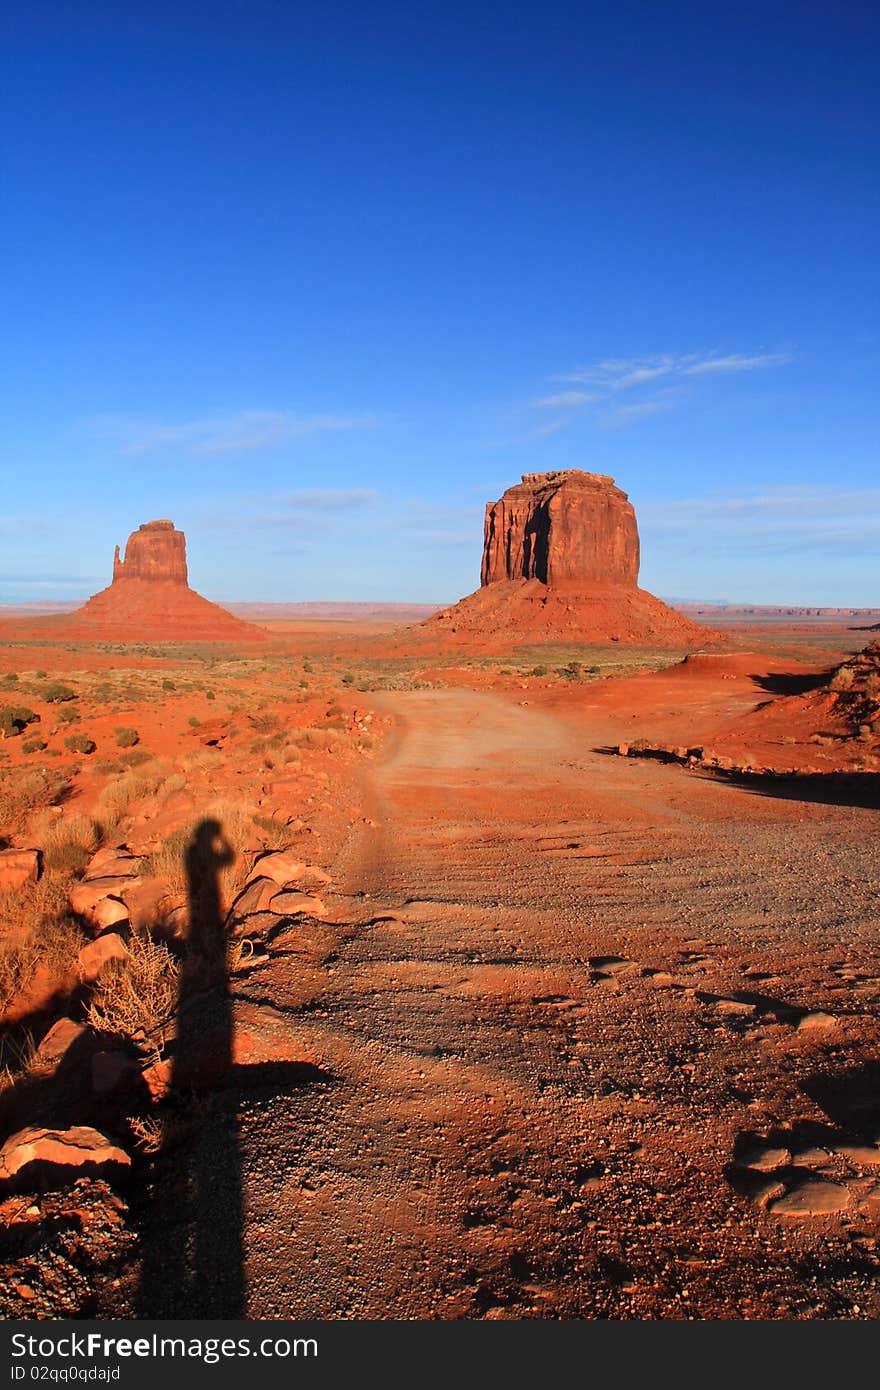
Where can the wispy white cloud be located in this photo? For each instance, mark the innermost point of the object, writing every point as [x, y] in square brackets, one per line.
[564, 400]
[622, 374]
[625, 414]
[600, 383]
[244, 432]
[772, 520]
[738, 362]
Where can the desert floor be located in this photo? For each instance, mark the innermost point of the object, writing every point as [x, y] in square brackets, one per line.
[575, 1035]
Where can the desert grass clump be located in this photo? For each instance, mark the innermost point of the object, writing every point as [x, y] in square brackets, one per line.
[39, 930]
[842, 679]
[327, 739]
[126, 737]
[141, 781]
[138, 993]
[24, 790]
[68, 842]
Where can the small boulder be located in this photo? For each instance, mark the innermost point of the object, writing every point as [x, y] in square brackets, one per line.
[254, 897]
[59, 1040]
[36, 1157]
[97, 955]
[85, 896]
[288, 903]
[815, 1197]
[816, 1022]
[282, 866]
[18, 867]
[120, 864]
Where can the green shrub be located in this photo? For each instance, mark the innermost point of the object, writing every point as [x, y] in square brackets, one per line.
[14, 718]
[10, 678]
[126, 738]
[348, 678]
[57, 693]
[79, 743]
[168, 684]
[210, 695]
[33, 745]
[538, 671]
[308, 667]
[69, 715]
[40, 675]
[194, 722]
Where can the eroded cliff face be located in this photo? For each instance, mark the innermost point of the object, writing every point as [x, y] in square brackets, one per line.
[568, 527]
[154, 551]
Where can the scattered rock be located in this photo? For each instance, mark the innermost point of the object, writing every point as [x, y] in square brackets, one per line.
[59, 1039]
[254, 897]
[18, 867]
[94, 957]
[288, 903]
[814, 1197]
[734, 1008]
[85, 897]
[859, 1153]
[817, 1021]
[113, 864]
[39, 1157]
[764, 1158]
[281, 865]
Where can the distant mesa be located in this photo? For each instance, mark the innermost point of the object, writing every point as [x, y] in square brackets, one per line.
[150, 598]
[561, 563]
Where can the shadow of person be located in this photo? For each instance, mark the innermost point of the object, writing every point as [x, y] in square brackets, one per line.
[192, 1264]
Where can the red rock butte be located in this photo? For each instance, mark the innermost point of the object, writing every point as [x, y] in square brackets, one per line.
[150, 598]
[561, 563]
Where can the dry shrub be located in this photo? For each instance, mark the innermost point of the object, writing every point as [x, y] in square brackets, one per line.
[137, 993]
[38, 929]
[202, 760]
[842, 679]
[319, 738]
[150, 780]
[24, 790]
[69, 843]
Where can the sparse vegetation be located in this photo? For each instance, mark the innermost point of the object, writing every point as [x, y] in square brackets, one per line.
[126, 737]
[137, 993]
[24, 790]
[14, 719]
[79, 743]
[56, 693]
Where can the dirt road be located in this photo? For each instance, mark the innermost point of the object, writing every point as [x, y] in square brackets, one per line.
[577, 987]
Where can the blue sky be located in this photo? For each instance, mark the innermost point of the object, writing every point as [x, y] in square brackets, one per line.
[318, 281]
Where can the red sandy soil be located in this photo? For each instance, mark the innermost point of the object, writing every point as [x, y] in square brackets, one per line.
[592, 1037]
[516, 612]
[570, 993]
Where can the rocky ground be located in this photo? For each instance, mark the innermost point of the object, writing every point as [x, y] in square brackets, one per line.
[573, 1035]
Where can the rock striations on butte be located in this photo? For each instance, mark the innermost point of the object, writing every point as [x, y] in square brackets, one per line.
[561, 563]
[150, 598]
